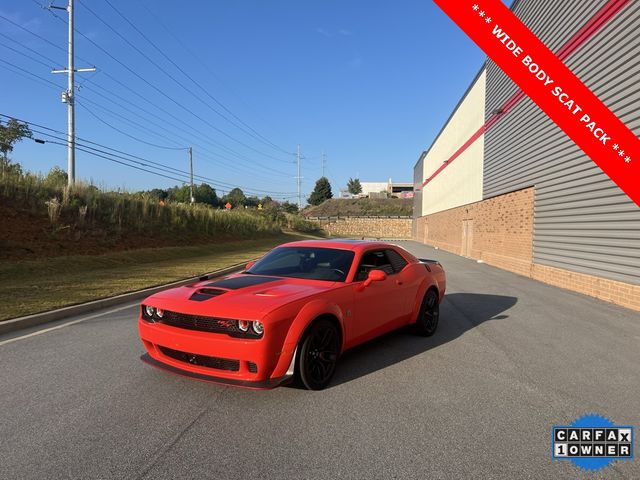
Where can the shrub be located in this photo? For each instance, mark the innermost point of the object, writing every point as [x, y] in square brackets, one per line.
[299, 224]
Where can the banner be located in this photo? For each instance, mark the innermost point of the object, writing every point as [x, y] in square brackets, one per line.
[552, 86]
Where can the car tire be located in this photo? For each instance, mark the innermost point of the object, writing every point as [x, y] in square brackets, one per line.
[318, 355]
[428, 315]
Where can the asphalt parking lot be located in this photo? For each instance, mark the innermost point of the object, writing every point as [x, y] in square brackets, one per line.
[511, 358]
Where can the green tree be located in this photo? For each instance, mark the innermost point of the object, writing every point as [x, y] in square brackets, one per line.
[159, 194]
[290, 207]
[321, 192]
[252, 201]
[205, 193]
[235, 197]
[11, 133]
[180, 194]
[354, 187]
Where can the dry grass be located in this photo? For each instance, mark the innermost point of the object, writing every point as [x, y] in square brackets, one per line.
[34, 286]
[345, 207]
[85, 205]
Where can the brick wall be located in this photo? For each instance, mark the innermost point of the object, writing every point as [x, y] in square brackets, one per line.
[620, 293]
[501, 230]
[369, 227]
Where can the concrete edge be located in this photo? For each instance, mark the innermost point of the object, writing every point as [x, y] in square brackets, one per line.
[35, 319]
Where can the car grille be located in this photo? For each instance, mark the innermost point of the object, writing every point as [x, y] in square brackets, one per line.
[204, 324]
[202, 360]
[253, 368]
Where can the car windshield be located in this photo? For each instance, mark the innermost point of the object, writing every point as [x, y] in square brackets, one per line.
[312, 263]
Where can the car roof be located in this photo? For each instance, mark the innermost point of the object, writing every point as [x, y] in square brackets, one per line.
[341, 243]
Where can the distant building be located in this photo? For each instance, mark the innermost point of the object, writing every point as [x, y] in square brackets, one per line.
[386, 189]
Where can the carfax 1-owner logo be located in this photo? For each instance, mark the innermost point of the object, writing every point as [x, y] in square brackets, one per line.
[592, 442]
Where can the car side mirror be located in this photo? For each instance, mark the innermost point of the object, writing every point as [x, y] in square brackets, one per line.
[250, 264]
[375, 276]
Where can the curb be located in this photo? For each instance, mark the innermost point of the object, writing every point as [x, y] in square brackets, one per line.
[20, 323]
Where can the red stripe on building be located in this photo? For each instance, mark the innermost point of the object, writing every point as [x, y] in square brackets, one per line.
[595, 23]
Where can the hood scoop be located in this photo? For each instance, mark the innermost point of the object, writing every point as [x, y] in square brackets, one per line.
[206, 294]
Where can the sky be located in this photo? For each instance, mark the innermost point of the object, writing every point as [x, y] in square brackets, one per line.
[369, 83]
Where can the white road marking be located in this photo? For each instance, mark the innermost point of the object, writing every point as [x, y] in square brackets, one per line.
[50, 329]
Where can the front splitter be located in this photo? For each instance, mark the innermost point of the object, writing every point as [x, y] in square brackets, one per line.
[260, 384]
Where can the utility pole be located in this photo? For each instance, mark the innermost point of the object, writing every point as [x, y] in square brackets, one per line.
[298, 178]
[191, 175]
[324, 162]
[69, 95]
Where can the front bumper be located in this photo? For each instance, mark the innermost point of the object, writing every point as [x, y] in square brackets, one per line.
[258, 384]
[215, 357]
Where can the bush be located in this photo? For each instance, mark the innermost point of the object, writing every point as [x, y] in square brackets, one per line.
[300, 224]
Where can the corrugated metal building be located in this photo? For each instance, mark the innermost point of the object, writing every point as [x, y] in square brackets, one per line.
[524, 196]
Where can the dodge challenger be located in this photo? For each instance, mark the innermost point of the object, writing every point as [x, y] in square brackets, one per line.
[291, 314]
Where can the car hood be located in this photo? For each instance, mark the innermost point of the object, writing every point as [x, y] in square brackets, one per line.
[239, 296]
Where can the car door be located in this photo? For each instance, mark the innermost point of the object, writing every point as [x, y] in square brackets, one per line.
[377, 307]
[407, 283]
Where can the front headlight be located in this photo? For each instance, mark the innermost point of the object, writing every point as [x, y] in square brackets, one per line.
[152, 314]
[258, 327]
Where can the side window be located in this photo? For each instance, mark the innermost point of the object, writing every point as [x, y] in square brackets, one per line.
[397, 261]
[373, 260]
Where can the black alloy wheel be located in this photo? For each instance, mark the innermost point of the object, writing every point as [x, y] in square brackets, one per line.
[318, 355]
[429, 314]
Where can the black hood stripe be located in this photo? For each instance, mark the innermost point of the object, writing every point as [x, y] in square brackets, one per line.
[242, 282]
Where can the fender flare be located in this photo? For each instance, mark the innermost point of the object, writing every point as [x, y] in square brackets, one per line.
[307, 314]
[425, 285]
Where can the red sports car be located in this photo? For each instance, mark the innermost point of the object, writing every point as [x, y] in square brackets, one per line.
[291, 313]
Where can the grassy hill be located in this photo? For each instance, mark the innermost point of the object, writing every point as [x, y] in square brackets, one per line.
[361, 207]
[42, 219]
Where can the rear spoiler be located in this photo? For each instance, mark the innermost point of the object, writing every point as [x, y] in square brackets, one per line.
[427, 262]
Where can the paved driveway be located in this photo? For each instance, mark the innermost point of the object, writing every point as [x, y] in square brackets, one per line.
[511, 358]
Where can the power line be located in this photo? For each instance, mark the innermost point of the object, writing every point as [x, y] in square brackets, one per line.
[31, 74]
[249, 162]
[113, 78]
[252, 132]
[33, 33]
[25, 54]
[233, 166]
[104, 150]
[104, 122]
[170, 170]
[217, 129]
[192, 131]
[53, 84]
[27, 75]
[204, 64]
[126, 67]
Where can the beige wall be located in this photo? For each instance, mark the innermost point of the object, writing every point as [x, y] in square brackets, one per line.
[461, 182]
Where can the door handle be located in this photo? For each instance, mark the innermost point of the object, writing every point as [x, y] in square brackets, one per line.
[398, 282]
